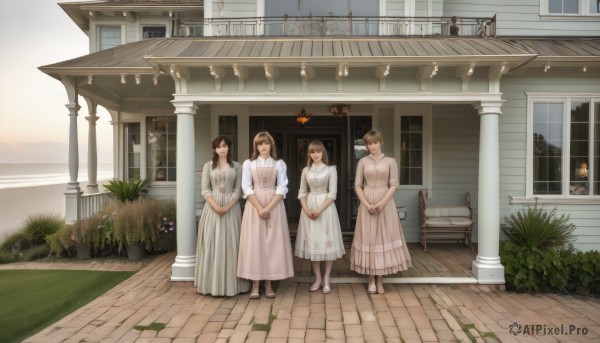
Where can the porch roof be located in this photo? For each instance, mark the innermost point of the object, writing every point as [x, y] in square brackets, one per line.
[141, 57]
[145, 57]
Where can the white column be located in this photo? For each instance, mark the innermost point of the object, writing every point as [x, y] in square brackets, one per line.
[73, 192]
[184, 267]
[487, 267]
[92, 165]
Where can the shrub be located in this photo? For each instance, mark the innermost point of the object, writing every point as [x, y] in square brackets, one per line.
[127, 190]
[37, 252]
[167, 219]
[14, 241]
[33, 233]
[37, 227]
[6, 257]
[550, 270]
[61, 242]
[136, 223]
[533, 227]
[86, 231]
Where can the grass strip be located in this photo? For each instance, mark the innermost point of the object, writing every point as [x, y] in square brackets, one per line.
[33, 299]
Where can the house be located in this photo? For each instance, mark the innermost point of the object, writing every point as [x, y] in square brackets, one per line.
[507, 107]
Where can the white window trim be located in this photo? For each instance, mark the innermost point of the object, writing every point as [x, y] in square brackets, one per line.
[143, 148]
[423, 110]
[583, 10]
[144, 142]
[565, 198]
[97, 33]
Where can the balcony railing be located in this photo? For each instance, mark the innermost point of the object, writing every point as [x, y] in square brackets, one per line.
[322, 26]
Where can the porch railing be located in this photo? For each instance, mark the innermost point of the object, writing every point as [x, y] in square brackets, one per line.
[92, 203]
[321, 26]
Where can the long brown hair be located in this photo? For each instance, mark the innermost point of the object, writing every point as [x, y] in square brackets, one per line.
[263, 137]
[316, 146]
[215, 158]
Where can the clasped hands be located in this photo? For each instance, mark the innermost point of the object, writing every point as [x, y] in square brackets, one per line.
[264, 213]
[222, 210]
[312, 214]
[374, 209]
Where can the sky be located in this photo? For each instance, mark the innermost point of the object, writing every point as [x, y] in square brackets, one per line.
[34, 122]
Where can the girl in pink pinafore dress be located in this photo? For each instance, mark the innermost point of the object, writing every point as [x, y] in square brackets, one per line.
[379, 247]
[265, 249]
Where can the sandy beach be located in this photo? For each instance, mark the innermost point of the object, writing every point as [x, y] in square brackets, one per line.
[17, 204]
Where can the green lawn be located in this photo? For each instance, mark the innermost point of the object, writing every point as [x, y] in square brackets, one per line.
[31, 300]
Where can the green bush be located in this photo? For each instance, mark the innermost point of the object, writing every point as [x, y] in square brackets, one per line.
[127, 190]
[61, 242]
[563, 271]
[35, 253]
[533, 227]
[15, 241]
[32, 234]
[6, 257]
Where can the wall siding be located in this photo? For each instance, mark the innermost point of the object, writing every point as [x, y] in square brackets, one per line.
[522, 18]
[513, 135]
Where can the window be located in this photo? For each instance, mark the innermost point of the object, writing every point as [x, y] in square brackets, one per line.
[411, 150]
[108, 37]
[563, 6]
[565, 146]
[228, 127]
[161, 148]
[131, 133]
[154, 32]
[570, 7]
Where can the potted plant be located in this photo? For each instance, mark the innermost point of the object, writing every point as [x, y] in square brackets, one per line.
[125, 191]
[135, 227]
[86, 235]
[167, 231]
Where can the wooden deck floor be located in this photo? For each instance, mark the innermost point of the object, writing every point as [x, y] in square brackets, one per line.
[441, 260]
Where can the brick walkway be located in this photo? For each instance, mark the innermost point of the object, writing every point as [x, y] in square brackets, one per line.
[405, 313]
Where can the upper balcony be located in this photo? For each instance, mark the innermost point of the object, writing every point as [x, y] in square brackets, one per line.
[349, 26]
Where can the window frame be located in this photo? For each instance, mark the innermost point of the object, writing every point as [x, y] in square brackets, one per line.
[583, 10]
[566, 100]
[425, 111]
[99, 27]
[144, 26]
[146, 150]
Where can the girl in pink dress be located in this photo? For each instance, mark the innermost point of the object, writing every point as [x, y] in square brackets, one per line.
[379, 247]
[265, 248]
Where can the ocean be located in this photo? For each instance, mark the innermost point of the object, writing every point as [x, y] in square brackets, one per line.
[32, 189]
[16, 175]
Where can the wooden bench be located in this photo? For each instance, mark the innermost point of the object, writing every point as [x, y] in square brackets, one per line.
[445, 223]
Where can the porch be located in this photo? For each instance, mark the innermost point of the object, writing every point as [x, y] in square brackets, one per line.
[443, 263]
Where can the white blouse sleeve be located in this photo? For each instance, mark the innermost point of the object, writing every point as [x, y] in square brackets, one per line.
[282, 180]
[332, 182]
[247, 186]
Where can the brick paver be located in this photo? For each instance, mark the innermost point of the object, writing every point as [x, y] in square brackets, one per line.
[405, 313]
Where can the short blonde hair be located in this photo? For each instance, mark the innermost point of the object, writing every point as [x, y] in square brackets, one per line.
[373, 136]
[318, 147]
[264, 137]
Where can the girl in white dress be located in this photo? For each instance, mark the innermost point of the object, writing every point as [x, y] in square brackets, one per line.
[319, 235]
